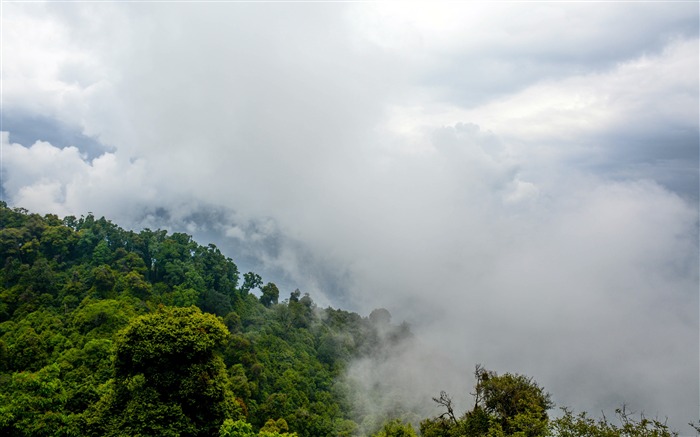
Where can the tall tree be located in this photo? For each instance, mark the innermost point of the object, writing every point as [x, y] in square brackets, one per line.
[505, 405]
[168, 360]
[270, 294]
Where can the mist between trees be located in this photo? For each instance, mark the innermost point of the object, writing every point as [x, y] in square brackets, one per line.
[109, 332]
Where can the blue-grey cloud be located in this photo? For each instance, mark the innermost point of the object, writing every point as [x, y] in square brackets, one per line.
[30, 128]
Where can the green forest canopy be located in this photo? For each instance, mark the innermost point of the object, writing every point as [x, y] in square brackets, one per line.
[109, 332]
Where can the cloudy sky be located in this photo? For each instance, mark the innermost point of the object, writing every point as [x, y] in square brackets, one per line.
[518, 181]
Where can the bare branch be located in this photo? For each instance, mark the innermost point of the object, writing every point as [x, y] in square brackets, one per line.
[446, 402]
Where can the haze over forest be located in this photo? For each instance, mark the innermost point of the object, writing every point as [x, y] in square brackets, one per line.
[517, 181]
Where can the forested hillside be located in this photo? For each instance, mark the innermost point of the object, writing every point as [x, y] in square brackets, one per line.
[109, 332]
[69, 286]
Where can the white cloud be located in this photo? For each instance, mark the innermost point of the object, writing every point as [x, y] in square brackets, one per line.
[44, 178]
[235, 232]
[521, 191]
[582, 116]
[651, 89]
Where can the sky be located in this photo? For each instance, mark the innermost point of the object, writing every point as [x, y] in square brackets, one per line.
[519, 181]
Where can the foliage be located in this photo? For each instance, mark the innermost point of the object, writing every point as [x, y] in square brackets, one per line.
[395, 428]
[270, 294]
[505, 405]
[168, 360]
[515, 405]
[92, 310]
[237, 428]
[581, 425]
[516, 402]
[241, 428]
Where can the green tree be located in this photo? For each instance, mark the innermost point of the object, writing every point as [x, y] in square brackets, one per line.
[251, 280]
[28, 351]
[168, 376]
[505, 405]
[276, 428]
[270, 294]
[396, 428]
[101, 317]
[236, 428]
[581, 425]
[240, 428]
[517, 402]
[31, 404]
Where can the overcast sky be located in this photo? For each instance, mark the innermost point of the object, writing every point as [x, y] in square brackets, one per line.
[519, 181]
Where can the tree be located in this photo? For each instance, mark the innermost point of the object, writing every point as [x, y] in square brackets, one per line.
[517, 402]
[276, 428]
[505, 405]
[240, 428]
[27, 351]
[695, 426]
[251, 280]
[270, 294]
[168, 361]
[236, 428]
[396, 428]
[32, 403]
[581, 425]
[380, 317]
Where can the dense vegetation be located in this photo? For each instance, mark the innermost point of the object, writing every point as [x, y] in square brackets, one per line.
[109, 332]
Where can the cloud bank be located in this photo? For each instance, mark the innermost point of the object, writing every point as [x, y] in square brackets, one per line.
[519, 182]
